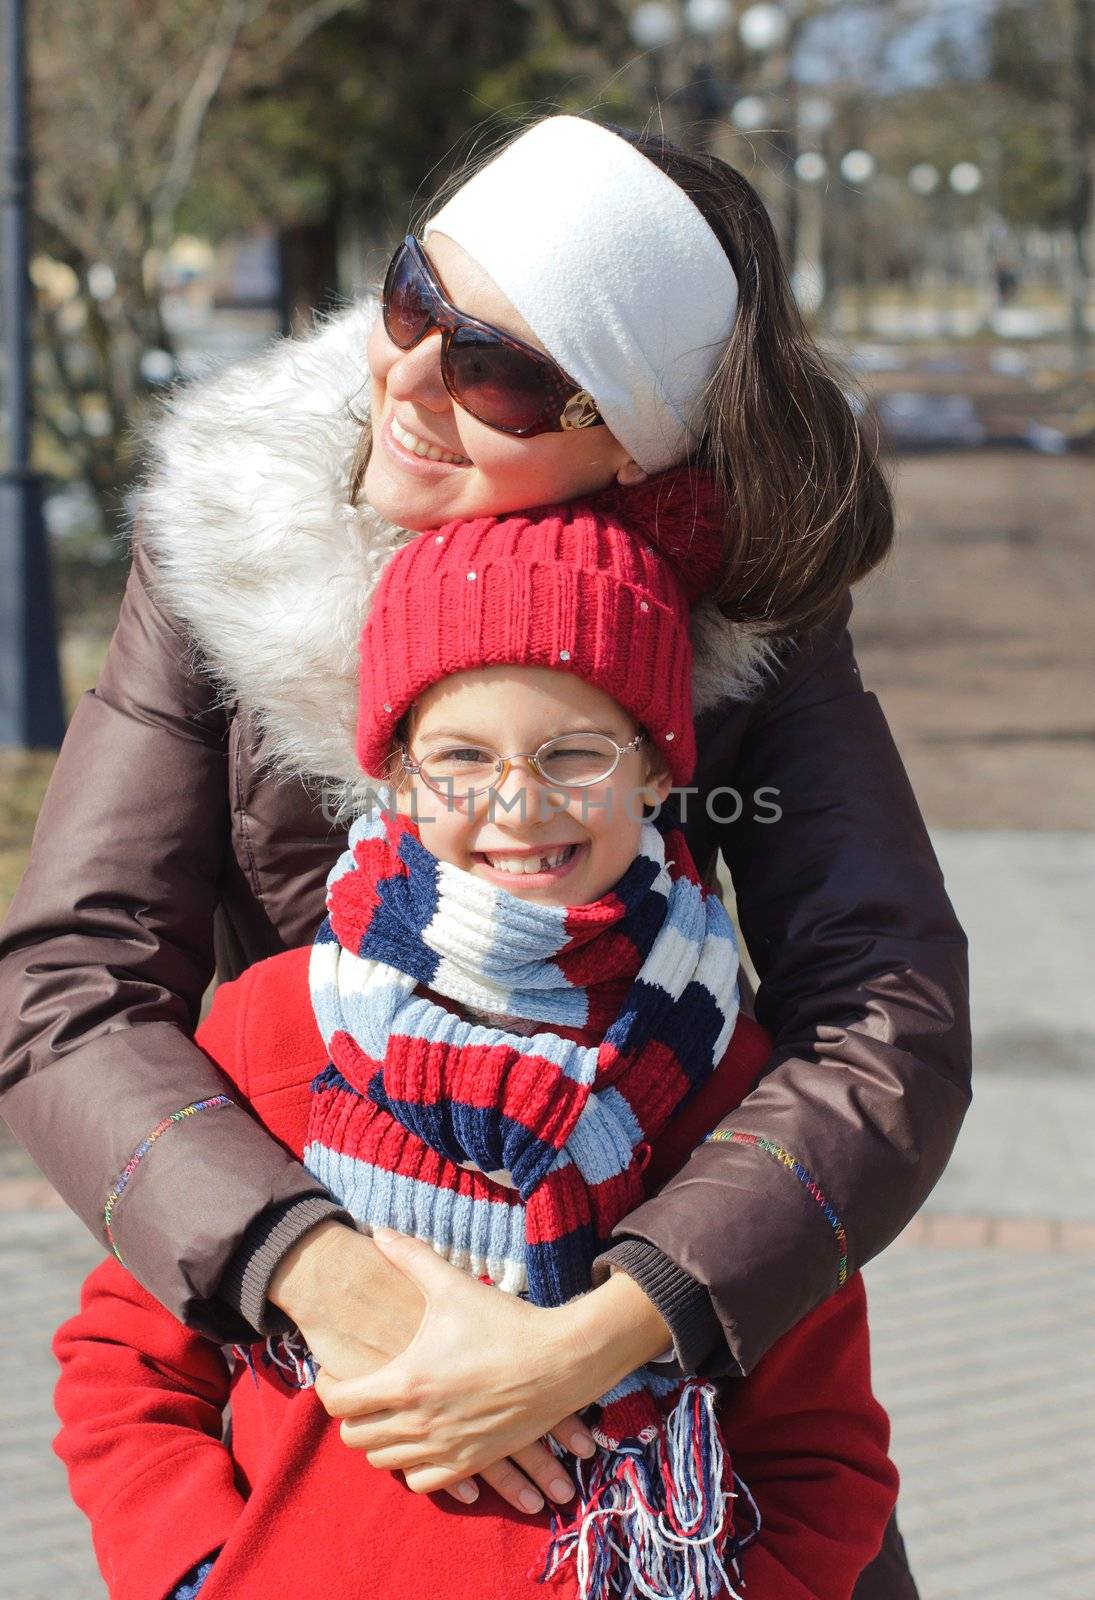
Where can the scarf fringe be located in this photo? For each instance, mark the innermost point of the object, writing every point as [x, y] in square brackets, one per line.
[622, 1545]
[286, 1351]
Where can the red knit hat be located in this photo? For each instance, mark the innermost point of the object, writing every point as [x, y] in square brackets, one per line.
[599, 588]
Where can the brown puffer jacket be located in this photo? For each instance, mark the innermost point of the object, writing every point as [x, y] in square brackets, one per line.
[183, 802]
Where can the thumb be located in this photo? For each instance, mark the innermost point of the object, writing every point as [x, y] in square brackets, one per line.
[417, 1260]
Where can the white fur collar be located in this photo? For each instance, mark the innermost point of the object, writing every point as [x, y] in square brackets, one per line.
[259, 553]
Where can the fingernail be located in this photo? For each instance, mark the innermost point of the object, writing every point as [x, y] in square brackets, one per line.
[467, 1492]
[561, 1489]
[531, 1500]
[583, 1444]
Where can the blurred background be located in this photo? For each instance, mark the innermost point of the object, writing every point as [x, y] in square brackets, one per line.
[207, 174]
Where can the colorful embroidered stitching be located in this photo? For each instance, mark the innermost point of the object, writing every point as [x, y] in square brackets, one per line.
[806, 1178]
[142, 1150]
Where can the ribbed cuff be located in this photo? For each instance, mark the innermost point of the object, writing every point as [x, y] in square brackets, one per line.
[246, 1281]
[681, 1300]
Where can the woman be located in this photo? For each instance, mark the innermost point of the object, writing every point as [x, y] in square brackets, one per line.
[177, 805]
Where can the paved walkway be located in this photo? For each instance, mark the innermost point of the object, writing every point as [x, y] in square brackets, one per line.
[985, 1361]
[1026, 1150]
[983, 1356]
[45, 1552]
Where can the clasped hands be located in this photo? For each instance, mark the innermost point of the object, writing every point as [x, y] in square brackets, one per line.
[437, 1375]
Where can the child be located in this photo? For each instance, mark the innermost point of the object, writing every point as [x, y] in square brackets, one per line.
[501, 1059]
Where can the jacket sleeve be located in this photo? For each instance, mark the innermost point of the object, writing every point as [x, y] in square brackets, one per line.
[809, 1442]
[141, 1400]
[104, 959]
[864, 987]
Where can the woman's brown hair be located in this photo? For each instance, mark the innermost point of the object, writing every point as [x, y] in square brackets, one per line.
[811, 508]
[810, 511]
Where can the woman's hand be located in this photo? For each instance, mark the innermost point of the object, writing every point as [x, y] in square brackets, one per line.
[449, 1405]
[357, 1310]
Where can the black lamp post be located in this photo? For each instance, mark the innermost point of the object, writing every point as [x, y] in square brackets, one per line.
[30, 683]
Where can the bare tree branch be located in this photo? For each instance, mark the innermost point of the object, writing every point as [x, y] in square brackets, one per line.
[191, 119]
[72, 439]
[294, 34]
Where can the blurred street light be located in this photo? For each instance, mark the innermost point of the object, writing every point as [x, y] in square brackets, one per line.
[965, 177]
[158, 366]
[815, 114]
[30, 683]
[923, 178]
[101, 282]
[654, 24]
[749, 113]
[708, 17]
[857, 166]
[678, 43]
[811, 166]
[763, 27]
[927, 182]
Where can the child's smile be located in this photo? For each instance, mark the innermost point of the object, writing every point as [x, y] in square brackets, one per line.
[556, 844]
[534, 867]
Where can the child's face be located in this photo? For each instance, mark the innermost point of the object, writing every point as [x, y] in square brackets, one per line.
[511, 710]
[483, 472]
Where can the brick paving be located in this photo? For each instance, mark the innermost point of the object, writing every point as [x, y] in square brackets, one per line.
[45, 1551]
[984, 1358]
[983, 1354]
[978, 636]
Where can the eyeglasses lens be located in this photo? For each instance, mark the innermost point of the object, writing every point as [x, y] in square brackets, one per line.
[459, 770]
[502, 386]
[408, 303]
[569, 762]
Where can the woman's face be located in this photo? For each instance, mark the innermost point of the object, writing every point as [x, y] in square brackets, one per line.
[511, 710]
[481, 471]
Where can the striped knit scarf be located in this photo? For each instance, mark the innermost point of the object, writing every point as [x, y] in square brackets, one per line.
[514, 1154]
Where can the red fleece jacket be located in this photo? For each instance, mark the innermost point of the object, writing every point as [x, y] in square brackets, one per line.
[301, 1517]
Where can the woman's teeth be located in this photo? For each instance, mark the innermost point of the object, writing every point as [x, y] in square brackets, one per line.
[421, 447]
[523, 865]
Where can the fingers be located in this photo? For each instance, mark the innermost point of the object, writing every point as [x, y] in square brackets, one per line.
[396, 1457]
[522, 1480]
[467, 1492]
[503, 1477]
[369, 1396]
[387, 1435]
[326, 1389]
[574, 1436]
[544, 1472]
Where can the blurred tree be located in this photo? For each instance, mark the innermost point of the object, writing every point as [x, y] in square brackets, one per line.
[121, 93]
[1042, 66]
[385, 105]
[1029, 70]
[156, 117]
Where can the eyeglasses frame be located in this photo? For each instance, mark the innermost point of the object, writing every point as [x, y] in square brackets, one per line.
[504, 765]
[578, 408]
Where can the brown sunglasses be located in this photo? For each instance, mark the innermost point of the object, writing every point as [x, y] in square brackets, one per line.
[500, 380]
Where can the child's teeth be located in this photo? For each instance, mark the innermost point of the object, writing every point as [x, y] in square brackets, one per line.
[528, 864]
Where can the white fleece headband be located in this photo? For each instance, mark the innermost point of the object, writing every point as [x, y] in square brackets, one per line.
[614, 269]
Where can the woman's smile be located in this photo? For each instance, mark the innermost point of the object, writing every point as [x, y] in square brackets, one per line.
[415, 453]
